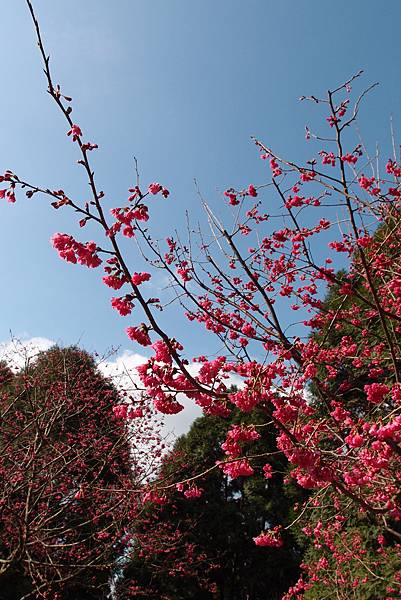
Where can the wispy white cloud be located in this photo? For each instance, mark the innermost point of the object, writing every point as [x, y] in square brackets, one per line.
[18, 352]
[122, 369]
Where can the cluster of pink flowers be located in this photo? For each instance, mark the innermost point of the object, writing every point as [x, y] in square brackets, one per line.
[235, 437]
[138, 278]
[270, 538]
[328, 158]
[154, 497]
[120, 411]
[9, 194]
[75, 132]
[232, 197]
[193, 492]
[88, 147]
[114, 281]
[275, 167]
[332, 120]
[366, 182]
[237, 468]
[155, 188]
[162, 352]
[392, 168]
[166, 403]
[350, 158]
[184, 271]
[125, 217]
[390, 431]
[354, 440]
[267, 471]
[139, 334]
[124, 411]
[76, 252]
[123, 305]
[376, 392]
[252, 191]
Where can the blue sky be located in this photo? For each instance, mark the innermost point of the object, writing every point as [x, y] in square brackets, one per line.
[182, 85]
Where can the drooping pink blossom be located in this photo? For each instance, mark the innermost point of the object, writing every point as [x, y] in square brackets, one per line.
[270, 538]
[139, 334]
[138, 278]
[75, 132]
[155, 188]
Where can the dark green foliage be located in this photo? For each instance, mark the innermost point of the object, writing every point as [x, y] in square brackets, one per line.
[359, 561]
[222, 522]
[362, 559]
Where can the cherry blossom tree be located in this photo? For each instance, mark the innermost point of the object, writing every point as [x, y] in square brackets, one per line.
[70, 477]
[327, 376]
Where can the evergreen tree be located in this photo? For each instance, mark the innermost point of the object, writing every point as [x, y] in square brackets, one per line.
[217, 556]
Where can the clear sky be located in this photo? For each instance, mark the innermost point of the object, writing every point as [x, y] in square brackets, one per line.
[182, 85]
